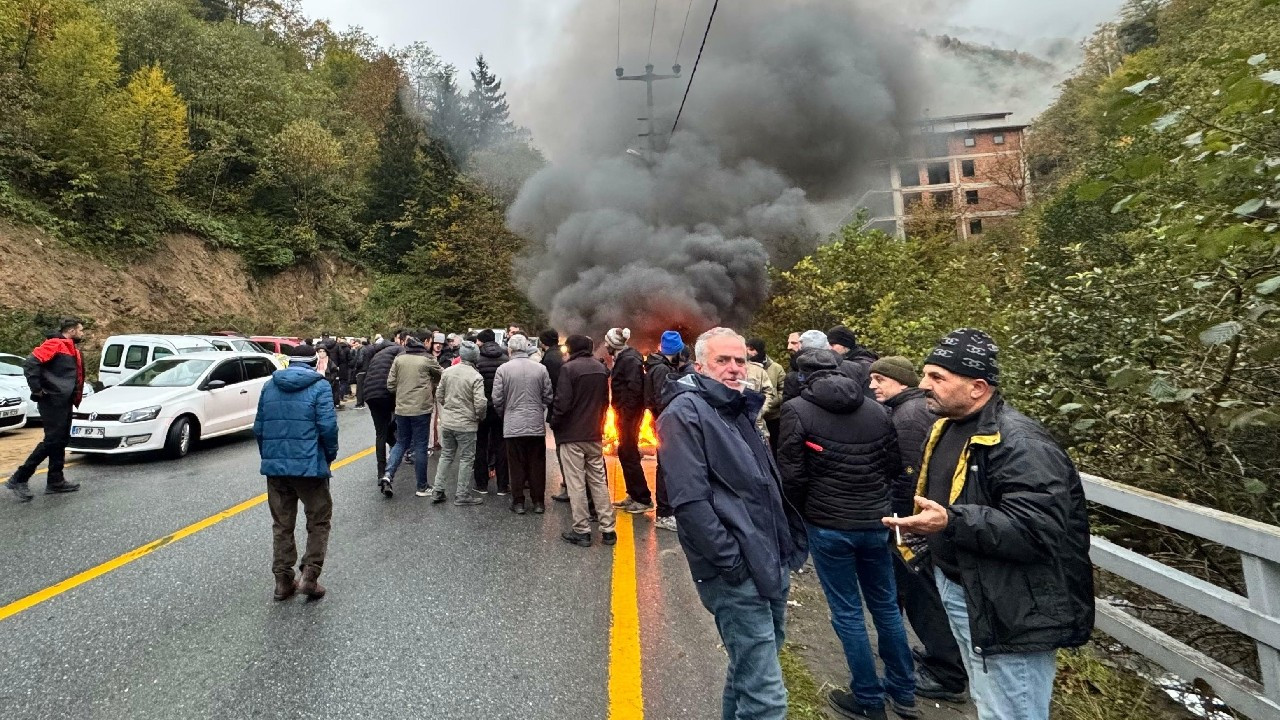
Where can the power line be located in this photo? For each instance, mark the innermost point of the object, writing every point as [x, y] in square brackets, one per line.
[618, 64]
[653, 24]
[683, 28]
[701, 47]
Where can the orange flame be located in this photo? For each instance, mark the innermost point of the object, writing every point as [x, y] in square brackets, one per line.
[648, 434]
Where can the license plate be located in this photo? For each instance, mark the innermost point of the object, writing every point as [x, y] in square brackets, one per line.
[88, 432]
[8, 413]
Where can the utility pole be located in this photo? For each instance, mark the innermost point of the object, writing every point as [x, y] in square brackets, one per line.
[649, 78]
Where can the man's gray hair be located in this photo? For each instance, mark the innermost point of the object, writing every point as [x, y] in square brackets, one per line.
[814, 340]
[519, 344]
[700, 347]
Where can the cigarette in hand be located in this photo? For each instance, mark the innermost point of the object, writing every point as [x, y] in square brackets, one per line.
[897, 531]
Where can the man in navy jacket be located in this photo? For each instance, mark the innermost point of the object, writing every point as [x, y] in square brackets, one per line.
[297, 433]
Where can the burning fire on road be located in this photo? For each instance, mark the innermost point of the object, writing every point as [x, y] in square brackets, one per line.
[648, 434]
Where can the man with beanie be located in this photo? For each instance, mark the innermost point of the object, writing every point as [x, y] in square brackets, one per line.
[297, 432]
[815, 340]
[845, 342]
[626, 384]
[1004, 512]
[740, 539]
[577, 417]
[666, 364]
[521, 396]
[777, 375]
[413, 378]
[462, 406]
[552, 359]
[489, 444]
[940, 673]
[55, 375]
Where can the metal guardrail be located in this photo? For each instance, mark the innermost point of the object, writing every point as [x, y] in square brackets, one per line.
[1256, 615]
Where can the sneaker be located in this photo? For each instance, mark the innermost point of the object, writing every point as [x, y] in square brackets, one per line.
[562, 497]
[20, 489]
[482, 491]
[422, 493]
[927, 686]
[609, 538]
[60, 487]
[516, 507]
[623, 502]
[843, 702]
[906, 710]
[439, 498]
[583, 540]
[665, 523]
[503, 493]
[539, 508]
[359, 407]
[469, 500]
[384, 484]
[637, 508]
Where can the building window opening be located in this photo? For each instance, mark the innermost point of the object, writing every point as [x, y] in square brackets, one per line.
[998, 138]
[942, 199]
[909, 175]
[975, 227]
[971, 197]
[967, 168]
[910, 200]
[939, 173]
[970, 141]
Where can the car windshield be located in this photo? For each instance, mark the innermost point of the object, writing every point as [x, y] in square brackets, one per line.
[196, 349]
[169, 372]
[10, 365]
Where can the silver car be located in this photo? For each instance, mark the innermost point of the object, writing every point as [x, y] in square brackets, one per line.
[13, 382]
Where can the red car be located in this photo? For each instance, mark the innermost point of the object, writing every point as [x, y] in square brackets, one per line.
[277, 344]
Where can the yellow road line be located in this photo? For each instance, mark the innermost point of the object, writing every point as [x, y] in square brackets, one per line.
[52, 591]
[44, 470]
[626, 670]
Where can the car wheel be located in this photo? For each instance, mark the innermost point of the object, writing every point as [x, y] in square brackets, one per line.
[182, 435]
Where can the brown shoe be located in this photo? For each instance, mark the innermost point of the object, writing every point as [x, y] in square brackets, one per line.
[309, 584]
[286, 586]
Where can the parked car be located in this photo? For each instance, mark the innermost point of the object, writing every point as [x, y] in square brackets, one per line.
[123, 355]
[237, 344]
[277, 343]
[173, 403]
[13, 381]
[13, 411]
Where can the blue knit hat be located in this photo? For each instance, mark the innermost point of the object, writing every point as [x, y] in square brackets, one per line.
[672, 343]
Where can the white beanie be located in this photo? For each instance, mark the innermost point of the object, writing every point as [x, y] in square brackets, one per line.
[814, 340]
[617, 338]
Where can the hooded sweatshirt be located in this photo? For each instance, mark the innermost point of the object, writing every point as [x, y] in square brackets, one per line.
[413, 379]
[296, 426]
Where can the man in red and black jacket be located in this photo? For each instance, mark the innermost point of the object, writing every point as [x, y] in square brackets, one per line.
[55, 373]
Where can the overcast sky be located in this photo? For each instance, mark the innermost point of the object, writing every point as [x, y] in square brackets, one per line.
[515, 35]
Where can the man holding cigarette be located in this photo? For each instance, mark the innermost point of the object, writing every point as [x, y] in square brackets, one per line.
[1004, 511]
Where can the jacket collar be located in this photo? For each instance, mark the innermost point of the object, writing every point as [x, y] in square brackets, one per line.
[904, 396]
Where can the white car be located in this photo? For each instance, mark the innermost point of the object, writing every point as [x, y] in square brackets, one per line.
[172, 403]
[13, 412]
[14, 381]
[229, 343]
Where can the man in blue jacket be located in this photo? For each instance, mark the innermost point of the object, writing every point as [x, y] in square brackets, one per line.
[741, 538]
[297, 432]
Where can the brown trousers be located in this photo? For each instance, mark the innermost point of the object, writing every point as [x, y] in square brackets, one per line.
[283, 494]
[527, 465]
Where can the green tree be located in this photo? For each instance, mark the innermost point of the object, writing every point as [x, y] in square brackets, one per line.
[151, 122]
[488, 115]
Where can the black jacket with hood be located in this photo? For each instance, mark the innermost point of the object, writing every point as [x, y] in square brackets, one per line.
[794, 381]
[838, 452]
[721, 480]
[658, 370]
[626, 380]
[1020, 530]
[912, 420]
[553, 360]
[492, 356]
[55, 371]
[381, 356]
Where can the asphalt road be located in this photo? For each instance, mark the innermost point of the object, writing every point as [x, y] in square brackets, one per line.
[432, 611]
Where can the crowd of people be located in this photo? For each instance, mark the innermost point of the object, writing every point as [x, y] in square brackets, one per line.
[921, 493]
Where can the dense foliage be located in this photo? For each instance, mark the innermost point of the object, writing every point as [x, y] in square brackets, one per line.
[251, 125]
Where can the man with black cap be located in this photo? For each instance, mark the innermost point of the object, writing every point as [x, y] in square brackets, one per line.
[1004, 512]
[845, 342]
[577, 417]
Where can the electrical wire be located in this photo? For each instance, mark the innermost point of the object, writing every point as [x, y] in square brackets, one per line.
[694, 72]
[653, 25]
[619, 63]
[683, 28]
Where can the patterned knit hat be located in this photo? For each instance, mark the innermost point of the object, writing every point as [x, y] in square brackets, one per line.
[968, 352]
[617, 338]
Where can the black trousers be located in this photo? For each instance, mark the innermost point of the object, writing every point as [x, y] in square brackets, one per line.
[774, 427]
[527, 465]
[920, 601]
[629, 455]
[55, 416]
[489, 441]
[383, 413]
[360, 388]
[664, 505]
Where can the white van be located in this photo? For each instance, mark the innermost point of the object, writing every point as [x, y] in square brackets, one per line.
[123, 355]
[230, 343]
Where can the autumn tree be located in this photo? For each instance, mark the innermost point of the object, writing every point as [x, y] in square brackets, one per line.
[151, 125]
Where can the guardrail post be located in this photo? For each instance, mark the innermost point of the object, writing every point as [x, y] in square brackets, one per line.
[1262, 579]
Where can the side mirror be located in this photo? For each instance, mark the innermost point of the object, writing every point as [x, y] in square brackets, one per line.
[215, 385]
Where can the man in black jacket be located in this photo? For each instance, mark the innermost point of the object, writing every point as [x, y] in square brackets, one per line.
[359, 367]
[670, 362]
[380, 400]
[845, 342]
[940, 671]
[626, 384]
[577, 418]
[55, 376]
[838, 455]
[741, 539]
[1004, 512]
[489, 442]
[553, 360]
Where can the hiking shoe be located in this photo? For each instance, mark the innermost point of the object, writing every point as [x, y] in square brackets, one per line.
[665, 523]
[927, 686]
[581, 540]
[61, 487]
[310, 585]
[469, 500]
[906, 710]
[609, 538]
[517, 508]
[384, 485]
[626, 500]
[843, 702]
[539, 508]
[286, 586]
[562, 497]
[637, 508]
[438, 498]
[20, 489]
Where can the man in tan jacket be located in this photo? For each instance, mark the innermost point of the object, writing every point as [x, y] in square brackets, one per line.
[462, 407]
[413, 377]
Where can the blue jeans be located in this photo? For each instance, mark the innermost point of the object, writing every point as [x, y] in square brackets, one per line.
[411, 432]
[752, 629]
[847, 560]
[1011, 686]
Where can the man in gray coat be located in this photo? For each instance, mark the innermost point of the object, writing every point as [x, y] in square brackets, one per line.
[521, 395]
[462, 406]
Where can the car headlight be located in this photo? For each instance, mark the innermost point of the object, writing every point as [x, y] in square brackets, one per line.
[147, 413]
